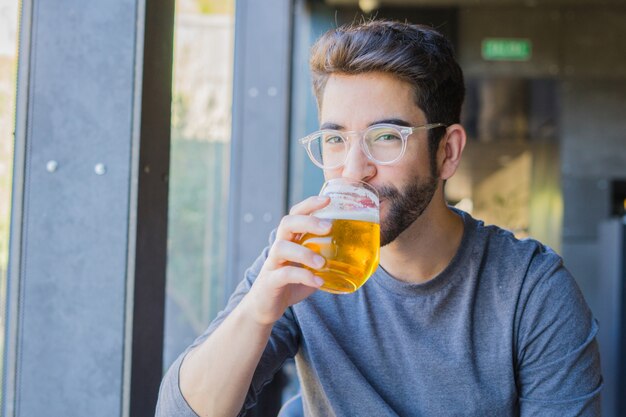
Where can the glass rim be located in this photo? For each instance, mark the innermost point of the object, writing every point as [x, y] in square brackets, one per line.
[364, 184]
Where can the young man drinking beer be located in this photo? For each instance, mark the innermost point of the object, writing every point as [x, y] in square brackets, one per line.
[458, 319]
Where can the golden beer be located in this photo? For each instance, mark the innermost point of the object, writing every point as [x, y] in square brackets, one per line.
[351, 250]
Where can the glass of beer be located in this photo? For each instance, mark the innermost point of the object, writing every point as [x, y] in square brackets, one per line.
[352, 247]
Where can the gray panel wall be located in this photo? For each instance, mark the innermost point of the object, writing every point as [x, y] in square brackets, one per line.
[72, 271]
[72, 277]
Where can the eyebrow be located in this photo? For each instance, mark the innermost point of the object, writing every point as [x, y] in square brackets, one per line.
[399, 122]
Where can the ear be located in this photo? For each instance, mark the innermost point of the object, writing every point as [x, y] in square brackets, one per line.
[450, 150]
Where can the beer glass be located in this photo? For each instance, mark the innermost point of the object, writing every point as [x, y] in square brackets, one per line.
[352, 247]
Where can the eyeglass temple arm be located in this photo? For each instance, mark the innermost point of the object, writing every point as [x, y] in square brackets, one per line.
[430, 126]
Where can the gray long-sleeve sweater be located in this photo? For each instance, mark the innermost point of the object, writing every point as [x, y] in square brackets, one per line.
[502, 331]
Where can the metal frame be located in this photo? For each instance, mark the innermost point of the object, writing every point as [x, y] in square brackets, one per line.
[9, 377]
[150, 180]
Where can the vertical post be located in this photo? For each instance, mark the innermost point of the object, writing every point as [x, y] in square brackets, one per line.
[258, 194]
[260, 143]
[88, 233]
[148, 218]
[611, 313]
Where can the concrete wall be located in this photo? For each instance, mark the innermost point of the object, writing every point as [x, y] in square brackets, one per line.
[583, 47]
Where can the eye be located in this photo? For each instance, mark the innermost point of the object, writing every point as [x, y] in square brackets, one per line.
[333, 140]
[386, 137]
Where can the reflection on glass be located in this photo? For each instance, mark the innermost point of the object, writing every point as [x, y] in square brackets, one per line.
[8, 72]
[202, 84]
[509, 174]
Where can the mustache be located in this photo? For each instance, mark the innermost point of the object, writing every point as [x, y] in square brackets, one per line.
[388, 192]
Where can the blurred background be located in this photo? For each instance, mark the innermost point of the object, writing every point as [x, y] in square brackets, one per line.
[147, 149]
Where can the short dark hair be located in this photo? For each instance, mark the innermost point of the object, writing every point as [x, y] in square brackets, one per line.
[417, 54]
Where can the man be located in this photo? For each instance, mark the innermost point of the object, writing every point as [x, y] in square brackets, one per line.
[459, 319]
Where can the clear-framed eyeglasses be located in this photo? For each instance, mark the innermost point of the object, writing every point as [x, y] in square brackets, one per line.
[383, 144]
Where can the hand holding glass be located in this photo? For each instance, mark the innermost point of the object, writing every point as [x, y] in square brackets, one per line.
[352, 247]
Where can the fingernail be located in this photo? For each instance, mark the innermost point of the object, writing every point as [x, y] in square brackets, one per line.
[321, 198]
[319, 261]
[325, 224]
[318, 281]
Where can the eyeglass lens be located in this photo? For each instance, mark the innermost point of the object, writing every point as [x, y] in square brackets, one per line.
[329, 148]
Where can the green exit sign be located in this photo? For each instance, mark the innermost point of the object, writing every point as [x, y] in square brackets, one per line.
[501, 49]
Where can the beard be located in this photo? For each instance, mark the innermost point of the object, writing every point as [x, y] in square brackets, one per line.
[404, 207]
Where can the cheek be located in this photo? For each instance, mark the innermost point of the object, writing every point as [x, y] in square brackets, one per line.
[397, 175]
[384, 209]
[330, 174]
[417, 154]
[413, 166]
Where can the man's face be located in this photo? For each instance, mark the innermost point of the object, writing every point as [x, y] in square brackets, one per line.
[355, 102]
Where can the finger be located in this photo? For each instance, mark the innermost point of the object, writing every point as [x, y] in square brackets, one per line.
[310, 205]
[284, 251]
[292, 225]
[295, 275]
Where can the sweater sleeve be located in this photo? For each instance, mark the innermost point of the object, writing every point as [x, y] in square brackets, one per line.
[558, 363]
[283, 344]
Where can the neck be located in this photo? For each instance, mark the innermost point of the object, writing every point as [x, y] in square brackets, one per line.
[426, 248]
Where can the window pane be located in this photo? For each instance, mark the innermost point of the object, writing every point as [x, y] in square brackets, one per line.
[8, 72]
[201, 115]
[509, 173]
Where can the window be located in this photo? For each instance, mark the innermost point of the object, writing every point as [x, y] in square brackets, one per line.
[199, 173]
[8, 72]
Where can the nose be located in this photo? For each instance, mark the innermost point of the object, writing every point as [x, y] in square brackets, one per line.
[358, 166]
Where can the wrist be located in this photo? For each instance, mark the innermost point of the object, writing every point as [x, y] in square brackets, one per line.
[250, 314]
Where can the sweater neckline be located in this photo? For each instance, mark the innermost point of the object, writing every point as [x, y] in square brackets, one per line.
[446, 277]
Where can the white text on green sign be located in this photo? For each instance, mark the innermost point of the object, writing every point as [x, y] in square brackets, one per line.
[500, 49]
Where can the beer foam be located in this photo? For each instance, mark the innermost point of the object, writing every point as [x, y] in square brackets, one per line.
[349, 202]
[337, 190]
[368, 215]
